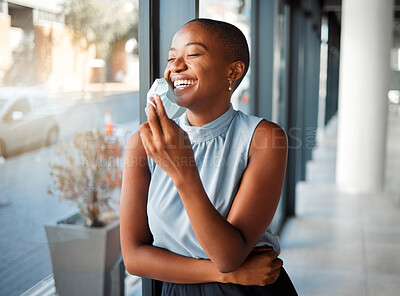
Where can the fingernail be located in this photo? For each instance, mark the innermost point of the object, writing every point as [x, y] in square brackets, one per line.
[150, 102]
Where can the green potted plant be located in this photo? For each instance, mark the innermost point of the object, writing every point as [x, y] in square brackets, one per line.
[85, 248]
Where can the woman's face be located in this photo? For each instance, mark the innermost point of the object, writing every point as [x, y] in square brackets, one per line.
[197, 69]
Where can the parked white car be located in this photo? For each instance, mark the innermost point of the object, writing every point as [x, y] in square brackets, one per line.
[26, 120]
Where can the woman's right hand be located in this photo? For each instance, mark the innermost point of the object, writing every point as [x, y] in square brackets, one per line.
[261, 267]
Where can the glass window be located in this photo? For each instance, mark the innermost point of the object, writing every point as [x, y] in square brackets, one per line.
[283, 35]
[2, 103]
[238, 13]
[76, 63]
[281, 97]
[21, 105]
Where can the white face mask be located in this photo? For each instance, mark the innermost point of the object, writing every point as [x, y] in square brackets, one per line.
[160, 87]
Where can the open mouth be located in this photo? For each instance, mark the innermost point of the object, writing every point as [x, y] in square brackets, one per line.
[183, 83]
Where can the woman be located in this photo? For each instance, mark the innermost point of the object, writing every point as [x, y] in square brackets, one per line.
[199, 193]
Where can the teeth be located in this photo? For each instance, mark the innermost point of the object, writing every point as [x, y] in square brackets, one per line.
[183, 82]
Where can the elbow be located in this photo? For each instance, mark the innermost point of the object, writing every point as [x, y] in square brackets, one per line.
[130, 267]
[227, 266]
[132, 262]
[228, 260]
[225, 269]
[135, 256]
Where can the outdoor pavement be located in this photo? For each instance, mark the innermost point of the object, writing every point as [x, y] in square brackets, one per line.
[26, 207]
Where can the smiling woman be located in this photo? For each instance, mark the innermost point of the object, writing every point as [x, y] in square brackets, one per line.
[205, 68]
[199, 193]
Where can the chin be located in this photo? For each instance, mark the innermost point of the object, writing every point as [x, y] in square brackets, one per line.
[183, 102]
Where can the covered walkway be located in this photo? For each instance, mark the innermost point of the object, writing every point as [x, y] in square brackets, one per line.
[343, 244]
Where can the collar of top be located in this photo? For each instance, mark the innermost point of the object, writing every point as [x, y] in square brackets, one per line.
[210, 130]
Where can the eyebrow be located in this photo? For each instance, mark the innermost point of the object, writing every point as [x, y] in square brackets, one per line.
[190, 44]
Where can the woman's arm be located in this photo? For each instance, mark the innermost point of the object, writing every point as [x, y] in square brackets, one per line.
[140, 257]
[231, 240]
[143, 259]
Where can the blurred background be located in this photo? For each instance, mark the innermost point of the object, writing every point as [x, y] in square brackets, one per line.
[327, 71]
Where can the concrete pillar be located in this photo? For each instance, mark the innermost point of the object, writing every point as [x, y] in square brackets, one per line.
[363, 85]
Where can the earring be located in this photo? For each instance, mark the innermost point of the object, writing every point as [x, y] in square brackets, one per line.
[230, 85]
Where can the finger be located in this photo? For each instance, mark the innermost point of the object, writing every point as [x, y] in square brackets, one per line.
[145, 130]
[277, 263]
[262, 249]
[162, 114]
[275, 275]
[154, 123]
[149, 101]
[274, 254]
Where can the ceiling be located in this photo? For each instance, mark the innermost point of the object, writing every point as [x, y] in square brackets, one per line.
[335, 6]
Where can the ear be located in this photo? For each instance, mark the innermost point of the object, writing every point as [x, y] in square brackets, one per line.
[236, 70]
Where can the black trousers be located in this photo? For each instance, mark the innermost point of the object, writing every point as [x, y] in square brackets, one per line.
[283, 286]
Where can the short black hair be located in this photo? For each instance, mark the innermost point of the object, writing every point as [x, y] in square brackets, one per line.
[233, 39]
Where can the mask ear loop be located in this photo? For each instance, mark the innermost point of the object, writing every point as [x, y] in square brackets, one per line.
[230, 85]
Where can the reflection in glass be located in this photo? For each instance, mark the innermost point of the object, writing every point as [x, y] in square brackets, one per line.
[66, 66]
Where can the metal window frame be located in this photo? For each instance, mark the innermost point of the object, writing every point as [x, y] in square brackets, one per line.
[158, 21]
[262, 57]
[303, 91]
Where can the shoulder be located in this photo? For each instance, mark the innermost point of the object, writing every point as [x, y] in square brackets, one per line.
[134, 143]
[269, 138]
[263, 131]
[135, 154]
[270, 130]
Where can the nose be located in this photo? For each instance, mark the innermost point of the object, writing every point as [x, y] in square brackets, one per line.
[178, 65]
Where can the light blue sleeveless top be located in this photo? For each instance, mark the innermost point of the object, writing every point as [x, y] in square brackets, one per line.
[221, 150]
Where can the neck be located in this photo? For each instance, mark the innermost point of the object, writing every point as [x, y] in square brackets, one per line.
[202, 117]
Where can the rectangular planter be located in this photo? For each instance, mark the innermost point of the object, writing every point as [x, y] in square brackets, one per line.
[86, 261]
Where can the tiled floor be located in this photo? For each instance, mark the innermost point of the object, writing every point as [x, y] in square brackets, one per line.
[342, 244]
